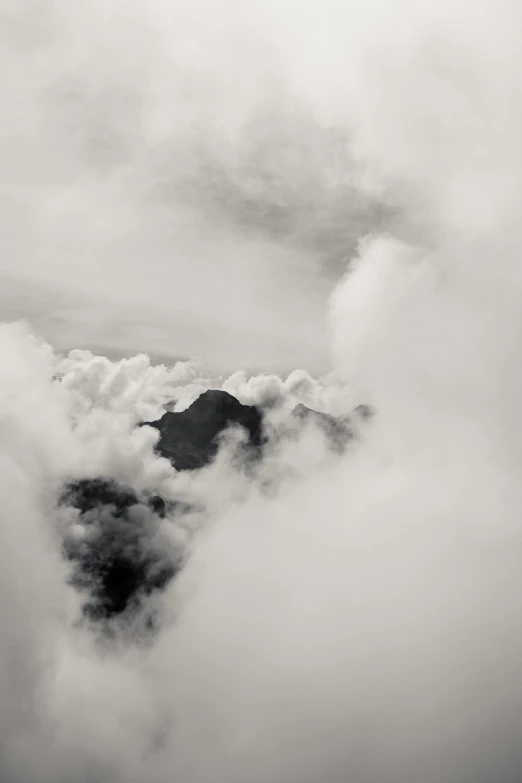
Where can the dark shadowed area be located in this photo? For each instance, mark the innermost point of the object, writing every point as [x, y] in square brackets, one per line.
[119, 552]
[189, 438]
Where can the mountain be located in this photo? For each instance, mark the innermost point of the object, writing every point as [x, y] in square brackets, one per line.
[338, 431]
[190, 438]
[119, 549]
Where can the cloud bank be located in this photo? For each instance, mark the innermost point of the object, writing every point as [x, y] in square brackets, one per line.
[359, 619]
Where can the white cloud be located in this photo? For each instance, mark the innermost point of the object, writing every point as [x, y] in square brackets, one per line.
[361, 619]
[163, 190]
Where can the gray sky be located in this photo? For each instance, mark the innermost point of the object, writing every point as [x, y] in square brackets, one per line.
[175, 176]
[167, 187]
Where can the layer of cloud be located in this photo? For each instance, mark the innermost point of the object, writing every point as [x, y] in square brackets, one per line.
[161, 178]
[140, 389]
[359, 619]
[65, 420]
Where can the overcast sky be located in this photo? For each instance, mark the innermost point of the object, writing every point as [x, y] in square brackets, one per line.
[170, 184]
[191, 178]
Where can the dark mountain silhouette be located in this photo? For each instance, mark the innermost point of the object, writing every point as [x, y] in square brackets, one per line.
[122, 555]
[190, 438]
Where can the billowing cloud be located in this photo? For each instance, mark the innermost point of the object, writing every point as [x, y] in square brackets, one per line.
[352, 617]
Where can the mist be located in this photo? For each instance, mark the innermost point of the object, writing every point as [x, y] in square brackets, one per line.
[303, 203]
[164, 187]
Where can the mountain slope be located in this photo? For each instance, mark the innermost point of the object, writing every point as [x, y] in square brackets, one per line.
[190, 438]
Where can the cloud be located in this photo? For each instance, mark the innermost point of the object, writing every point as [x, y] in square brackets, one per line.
[164, 190]
[360, 617]
[63, 422]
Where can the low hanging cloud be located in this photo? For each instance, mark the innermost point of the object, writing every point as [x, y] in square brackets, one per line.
[141, 388]
[338, 617]
[101, 548]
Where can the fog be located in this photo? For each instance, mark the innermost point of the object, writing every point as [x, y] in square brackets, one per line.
[166, 189]
[345, 618]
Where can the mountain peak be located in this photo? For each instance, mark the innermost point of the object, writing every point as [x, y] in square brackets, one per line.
[189, 438]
